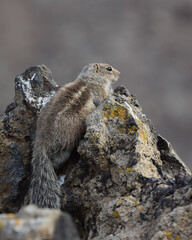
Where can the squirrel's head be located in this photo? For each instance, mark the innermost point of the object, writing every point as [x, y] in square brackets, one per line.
[100, 71]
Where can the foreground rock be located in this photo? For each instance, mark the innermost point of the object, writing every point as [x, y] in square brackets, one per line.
[125, 182]
[35, 224]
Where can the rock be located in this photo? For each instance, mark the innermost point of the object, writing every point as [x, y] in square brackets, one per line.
[35, 224]
[129, 183]
[124, 182]
[33, 88]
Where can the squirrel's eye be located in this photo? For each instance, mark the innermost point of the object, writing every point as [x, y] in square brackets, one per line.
[109, 69]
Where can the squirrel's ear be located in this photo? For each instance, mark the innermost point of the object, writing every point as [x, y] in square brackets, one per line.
[96, 66]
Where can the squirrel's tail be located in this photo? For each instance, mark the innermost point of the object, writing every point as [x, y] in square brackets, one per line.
[44, 190]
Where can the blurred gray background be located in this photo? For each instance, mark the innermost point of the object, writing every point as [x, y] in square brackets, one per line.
[149, 42]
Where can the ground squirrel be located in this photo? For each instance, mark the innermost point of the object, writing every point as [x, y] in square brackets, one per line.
[60, 127]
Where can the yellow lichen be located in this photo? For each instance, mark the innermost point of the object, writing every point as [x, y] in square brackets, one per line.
[120, 169]
[141, 209]
[136, 204]
[121, 129]
[167, 234]
[95, 138]
[168, 197]
[177, 237]
[142, 132]
[128, 170]
[116, 214]
[133, 129]
[115, 112]
[120, 112]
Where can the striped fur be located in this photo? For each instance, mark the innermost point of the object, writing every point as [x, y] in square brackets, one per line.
[60, 127]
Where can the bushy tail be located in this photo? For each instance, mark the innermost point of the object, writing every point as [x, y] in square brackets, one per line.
[44, 190]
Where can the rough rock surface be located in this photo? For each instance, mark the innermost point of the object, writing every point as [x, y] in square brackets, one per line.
[129, 183]
[17, 128]
[126, 182]
[32, 223]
